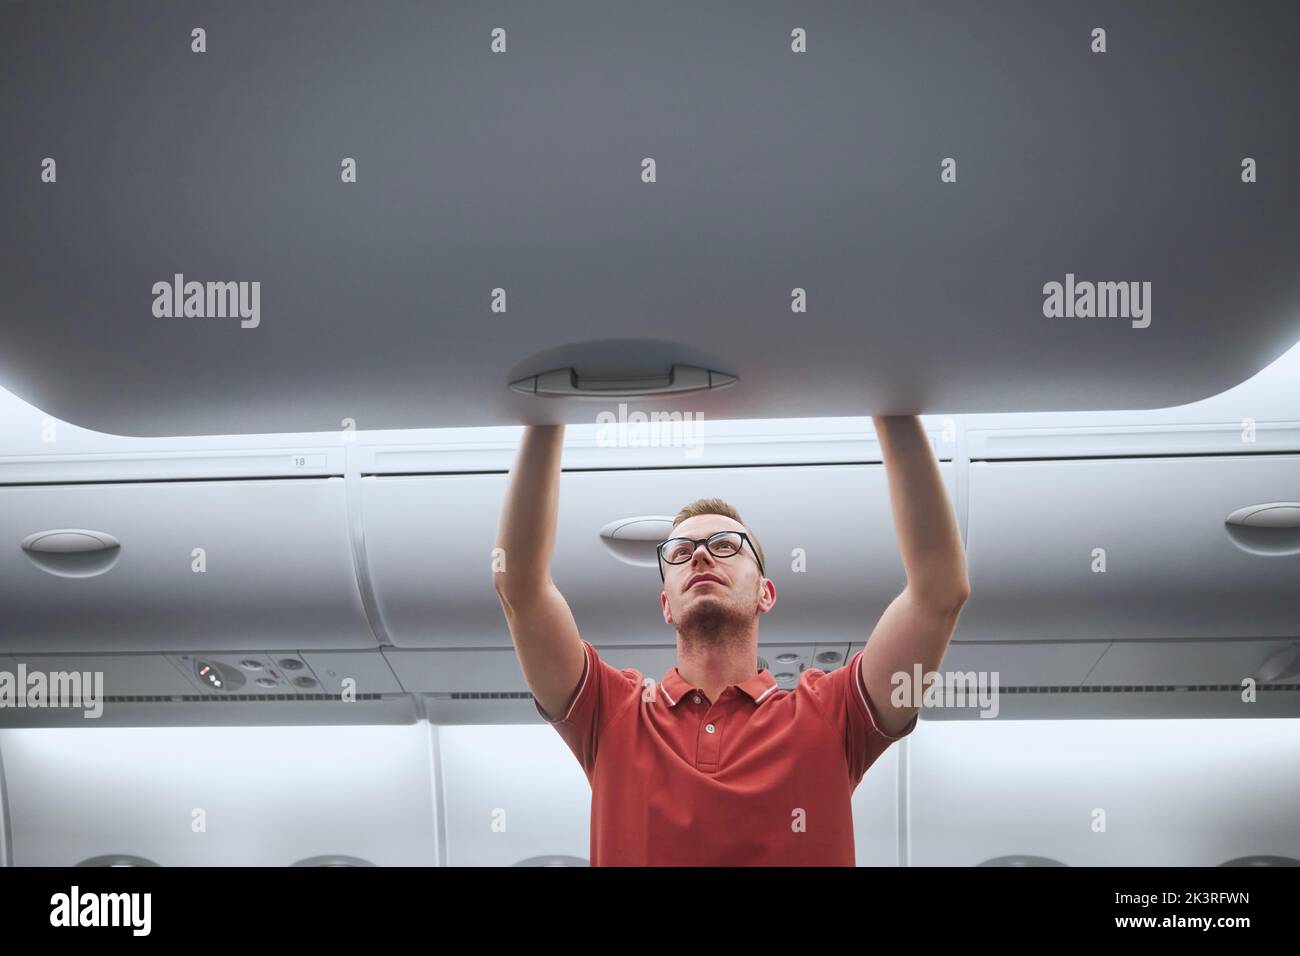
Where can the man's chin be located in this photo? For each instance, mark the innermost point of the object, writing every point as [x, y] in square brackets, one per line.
[708, 615]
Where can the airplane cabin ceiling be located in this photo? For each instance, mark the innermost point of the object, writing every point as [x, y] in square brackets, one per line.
[522, 170]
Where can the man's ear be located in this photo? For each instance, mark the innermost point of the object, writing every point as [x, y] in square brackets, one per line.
[766, 595]
[668, 614]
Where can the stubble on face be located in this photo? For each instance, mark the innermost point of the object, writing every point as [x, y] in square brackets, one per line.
[716, 622]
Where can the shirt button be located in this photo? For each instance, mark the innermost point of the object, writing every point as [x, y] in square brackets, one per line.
[697, 698]
[709, 728]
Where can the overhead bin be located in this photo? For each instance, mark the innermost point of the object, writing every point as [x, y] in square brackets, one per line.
[885, 218]
[1133, 549]
[429, 542]
[202, 565]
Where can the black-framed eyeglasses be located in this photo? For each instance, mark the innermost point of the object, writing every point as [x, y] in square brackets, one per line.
[721, 544]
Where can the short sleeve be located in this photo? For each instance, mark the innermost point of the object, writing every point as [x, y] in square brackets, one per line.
[602, 694]
[842, 699]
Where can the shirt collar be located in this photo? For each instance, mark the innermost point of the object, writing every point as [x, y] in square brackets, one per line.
[758, 688]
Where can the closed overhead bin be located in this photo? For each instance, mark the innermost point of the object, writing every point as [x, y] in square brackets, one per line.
[178, 565]
[1134, 549]
[826, 531]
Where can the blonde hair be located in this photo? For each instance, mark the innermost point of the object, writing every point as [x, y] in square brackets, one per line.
[716, 506]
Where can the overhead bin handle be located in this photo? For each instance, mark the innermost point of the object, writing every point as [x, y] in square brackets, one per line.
[69, 541]
[1269, 530]
[566, 383]
[1274, 514]
[643, 528]
[72, 552]
[635, 540]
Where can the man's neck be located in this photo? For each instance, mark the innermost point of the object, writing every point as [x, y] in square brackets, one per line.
[712, 663]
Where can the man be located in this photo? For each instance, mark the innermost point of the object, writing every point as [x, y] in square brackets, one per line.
[716, 766]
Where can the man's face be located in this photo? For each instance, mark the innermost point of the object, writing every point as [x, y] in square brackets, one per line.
[707, 592]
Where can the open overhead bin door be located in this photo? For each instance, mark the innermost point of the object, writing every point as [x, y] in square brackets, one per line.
[839, 210]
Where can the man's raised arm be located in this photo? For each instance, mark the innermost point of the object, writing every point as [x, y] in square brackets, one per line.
[919, 623]
[541, 625]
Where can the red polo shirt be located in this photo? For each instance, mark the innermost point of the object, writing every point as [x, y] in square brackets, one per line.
[759, 777]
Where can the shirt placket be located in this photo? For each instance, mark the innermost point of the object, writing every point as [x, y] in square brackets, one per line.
[708, 748]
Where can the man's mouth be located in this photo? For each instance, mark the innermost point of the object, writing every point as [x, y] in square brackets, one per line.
[702, 579]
